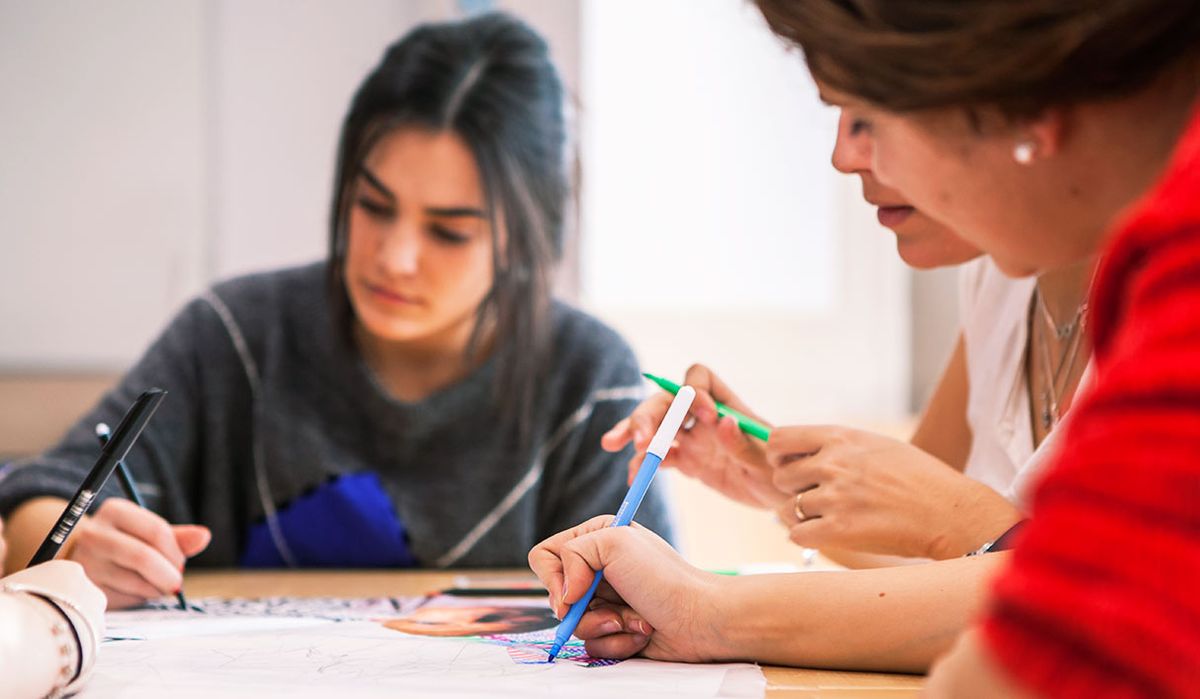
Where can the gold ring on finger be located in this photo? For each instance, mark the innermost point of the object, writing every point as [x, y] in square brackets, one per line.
[798, 509]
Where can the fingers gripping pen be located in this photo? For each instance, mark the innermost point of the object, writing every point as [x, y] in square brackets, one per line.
[655, 453]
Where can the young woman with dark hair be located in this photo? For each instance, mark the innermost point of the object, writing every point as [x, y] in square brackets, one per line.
[418, 399]
[1044, 133]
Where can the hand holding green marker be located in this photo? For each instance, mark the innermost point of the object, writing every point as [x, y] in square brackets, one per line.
[748, 425]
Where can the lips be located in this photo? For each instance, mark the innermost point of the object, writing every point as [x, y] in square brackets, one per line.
[391, 296]
[892, 216]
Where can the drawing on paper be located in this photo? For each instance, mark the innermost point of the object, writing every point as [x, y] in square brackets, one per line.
[314, 648]
[524, 628]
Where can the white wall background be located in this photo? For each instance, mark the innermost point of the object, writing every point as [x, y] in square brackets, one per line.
[150, 148]
[715, 229]
[102, 172]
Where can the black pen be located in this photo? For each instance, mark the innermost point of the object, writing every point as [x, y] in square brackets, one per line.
[494, 592]
[114, 451]
[131, 491]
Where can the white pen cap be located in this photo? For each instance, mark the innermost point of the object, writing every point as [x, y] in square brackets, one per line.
[661, 444]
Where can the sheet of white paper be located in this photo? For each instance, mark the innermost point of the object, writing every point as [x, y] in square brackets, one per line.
[220, 615]
[259, 656]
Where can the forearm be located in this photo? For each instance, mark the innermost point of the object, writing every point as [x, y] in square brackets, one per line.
[887, 619]
[31, 658]
[860, 559]
[26, 527]
[943, 430]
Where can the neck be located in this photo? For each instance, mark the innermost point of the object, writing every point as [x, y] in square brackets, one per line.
[1124, 145]
[412, 371]
[1064, 289]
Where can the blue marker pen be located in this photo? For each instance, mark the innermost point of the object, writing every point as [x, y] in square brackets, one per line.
[655, 453]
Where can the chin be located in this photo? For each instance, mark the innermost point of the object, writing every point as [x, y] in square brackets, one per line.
[391, 329]
[922, 257]
[1016, 270]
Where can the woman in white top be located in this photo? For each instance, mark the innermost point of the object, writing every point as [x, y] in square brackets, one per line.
[51, 623]
[1019, 357]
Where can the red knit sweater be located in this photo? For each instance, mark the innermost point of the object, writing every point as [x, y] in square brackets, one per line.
[1103, 594]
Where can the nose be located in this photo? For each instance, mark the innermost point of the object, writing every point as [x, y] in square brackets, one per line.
[851, 151]
[400, 250]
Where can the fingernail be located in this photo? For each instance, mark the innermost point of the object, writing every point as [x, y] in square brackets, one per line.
[564, 592]
[610, 627]
[642, 627]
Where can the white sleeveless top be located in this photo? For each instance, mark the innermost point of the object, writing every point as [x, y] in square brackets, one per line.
[994, 320]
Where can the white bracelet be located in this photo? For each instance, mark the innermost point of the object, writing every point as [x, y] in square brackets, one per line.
[83, 641]
[63, 639]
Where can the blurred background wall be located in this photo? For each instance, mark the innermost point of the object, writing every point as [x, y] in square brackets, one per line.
[148, 149]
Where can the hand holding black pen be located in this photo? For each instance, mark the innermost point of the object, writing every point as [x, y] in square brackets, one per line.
[130, 552]
[131, 491]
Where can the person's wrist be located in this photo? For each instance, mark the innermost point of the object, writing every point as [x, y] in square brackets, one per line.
[981, 515]
[992, 515]
[713, 598]
[741, 628]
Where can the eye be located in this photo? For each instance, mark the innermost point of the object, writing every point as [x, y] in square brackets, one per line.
[447, 235]
[374, 208]
[858, 126]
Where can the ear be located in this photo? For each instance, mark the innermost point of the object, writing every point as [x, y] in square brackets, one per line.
[1048, 130]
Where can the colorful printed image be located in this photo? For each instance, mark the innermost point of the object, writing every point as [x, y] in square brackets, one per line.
[479, 620]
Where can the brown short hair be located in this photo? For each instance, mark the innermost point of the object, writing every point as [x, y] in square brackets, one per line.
[1020, 56]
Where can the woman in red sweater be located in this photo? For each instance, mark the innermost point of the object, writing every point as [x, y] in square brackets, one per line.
[1044, 132]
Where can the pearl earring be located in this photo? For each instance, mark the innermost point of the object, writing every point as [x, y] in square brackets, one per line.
[1023, 152]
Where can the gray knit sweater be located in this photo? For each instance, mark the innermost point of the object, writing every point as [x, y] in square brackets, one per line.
[276, 435]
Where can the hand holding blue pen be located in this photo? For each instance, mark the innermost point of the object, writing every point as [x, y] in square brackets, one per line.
[655, 453]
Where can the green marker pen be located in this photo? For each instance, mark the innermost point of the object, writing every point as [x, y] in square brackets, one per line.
[748, 425]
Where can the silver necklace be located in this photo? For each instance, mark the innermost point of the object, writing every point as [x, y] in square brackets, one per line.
[1055, 378]
[1064, 330]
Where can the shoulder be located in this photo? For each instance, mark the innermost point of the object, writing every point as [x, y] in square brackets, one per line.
[992, 317]
[260, 292]
[252, 313]
[589, 364]
[582, 342]
[257, 304]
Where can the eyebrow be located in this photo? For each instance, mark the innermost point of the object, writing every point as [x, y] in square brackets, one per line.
[454, 211]
[374, 182]
[440, 211]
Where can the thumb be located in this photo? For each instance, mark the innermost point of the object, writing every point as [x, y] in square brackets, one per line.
[617, 437]
[192, 538]
[788, 443]
[608, 549]
[705, 381]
